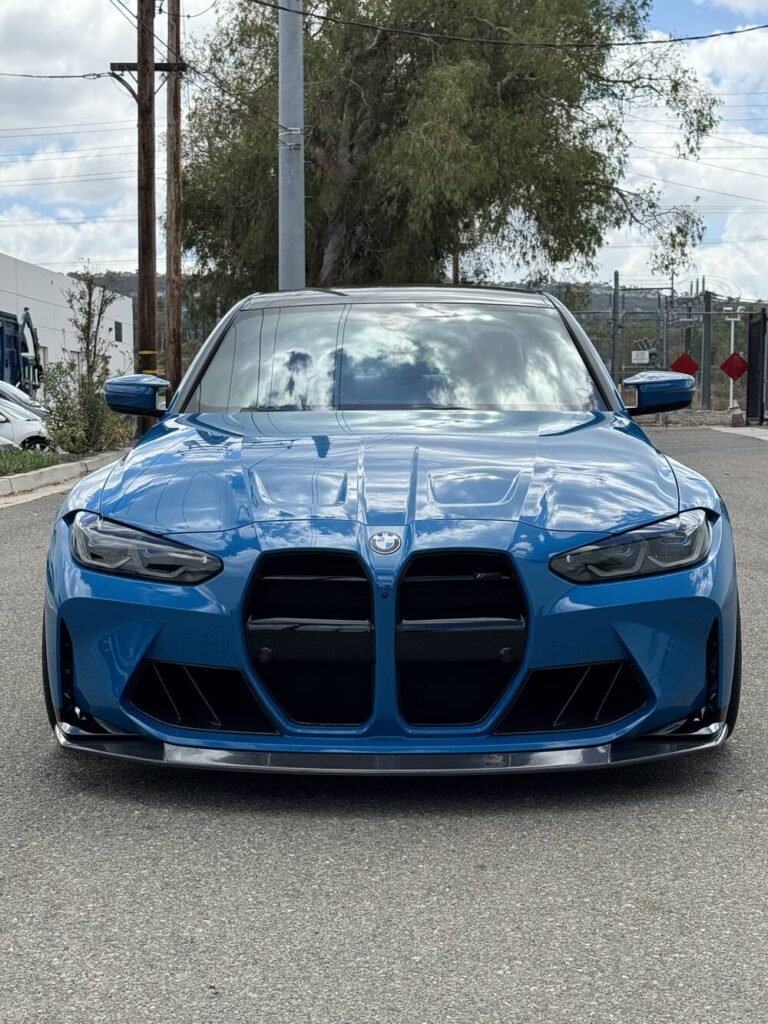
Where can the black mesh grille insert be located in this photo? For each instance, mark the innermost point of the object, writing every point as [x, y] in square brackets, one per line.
[310, 636]
[460, 635]
[576, 697]
[198, 697]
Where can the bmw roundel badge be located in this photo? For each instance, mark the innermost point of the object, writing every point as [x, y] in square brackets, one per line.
[385, 543]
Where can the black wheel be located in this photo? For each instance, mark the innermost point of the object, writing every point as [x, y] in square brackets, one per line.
[35, 444]
[733, 707]
[47, 697]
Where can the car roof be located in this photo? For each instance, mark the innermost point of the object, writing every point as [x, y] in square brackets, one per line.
[398, 293]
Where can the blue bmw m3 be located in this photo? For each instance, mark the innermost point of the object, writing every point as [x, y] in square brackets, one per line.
[394, 531]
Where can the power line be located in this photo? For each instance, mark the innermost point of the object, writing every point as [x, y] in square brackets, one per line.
[66, 124]
[84, 131]
[89, 76]
[63, 221]
[718, 138]
[698, 188]
[204, 11]
[513, 44]
[651, 245]
[704, 163]
[73, 180]
[27, 158]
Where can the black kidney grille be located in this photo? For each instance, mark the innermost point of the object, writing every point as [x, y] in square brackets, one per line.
[447, 585]
[198, 697]
[310, 636]
[460, 635]
[576, 697]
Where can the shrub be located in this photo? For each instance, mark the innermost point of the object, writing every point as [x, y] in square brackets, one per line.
[17, 461]
[79, 420]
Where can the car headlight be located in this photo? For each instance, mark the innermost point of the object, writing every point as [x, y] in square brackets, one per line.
[671, 544]
[107, 546]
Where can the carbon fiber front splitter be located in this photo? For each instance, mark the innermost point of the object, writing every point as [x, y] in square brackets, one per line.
[606, 755]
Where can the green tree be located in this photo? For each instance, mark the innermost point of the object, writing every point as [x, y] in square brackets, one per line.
[79, 420]
[419, 148]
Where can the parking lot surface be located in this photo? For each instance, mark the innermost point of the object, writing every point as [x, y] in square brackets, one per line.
[130, 894]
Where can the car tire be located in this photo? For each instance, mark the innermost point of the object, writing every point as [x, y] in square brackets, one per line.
[47, 695]
[35, 444]
[733, 707]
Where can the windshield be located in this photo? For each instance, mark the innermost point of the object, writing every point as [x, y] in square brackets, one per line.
[397, 356]
[15, 412]
[9, 393]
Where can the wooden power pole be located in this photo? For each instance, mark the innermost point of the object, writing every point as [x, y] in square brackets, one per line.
[173, 205]
[145, 75]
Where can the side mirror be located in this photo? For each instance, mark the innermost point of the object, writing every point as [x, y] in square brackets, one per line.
[660, 391]
[139, 394]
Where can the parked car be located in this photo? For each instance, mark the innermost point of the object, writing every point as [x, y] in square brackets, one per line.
[9, 393]
[21, 427]
[394, 531]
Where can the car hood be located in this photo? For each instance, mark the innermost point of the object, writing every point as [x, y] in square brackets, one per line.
[570, 472]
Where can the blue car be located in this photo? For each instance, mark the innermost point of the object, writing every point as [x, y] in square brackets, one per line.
[394, 531]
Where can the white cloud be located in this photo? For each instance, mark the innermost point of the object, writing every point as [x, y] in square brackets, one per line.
[79, 137]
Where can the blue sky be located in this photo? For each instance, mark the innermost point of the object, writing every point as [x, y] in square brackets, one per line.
[682, 17]
[86, 175]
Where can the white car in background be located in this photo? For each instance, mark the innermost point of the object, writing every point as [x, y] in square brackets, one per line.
[8, 393]
[22, 427]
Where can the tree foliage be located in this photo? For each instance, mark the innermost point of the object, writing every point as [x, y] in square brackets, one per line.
[420, 148]
[79, 421]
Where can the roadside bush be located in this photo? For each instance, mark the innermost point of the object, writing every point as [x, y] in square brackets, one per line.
[79, 420]
[13, 461]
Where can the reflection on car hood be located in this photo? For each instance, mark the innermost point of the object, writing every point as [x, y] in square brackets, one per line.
[573, 472]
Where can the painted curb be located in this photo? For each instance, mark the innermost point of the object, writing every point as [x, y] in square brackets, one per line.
[22, 483]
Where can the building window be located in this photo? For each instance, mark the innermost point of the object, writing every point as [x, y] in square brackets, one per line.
[118, 332]
[44, 355]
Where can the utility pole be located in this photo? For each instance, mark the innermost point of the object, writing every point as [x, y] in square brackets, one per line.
[173, 205]
[292, 244]
[145, 74]
[615, 328]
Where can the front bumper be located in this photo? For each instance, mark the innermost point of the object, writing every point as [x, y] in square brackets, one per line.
[607, 755]
[659, 625]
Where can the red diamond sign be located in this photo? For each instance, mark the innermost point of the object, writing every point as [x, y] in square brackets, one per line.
[735, 366]
[685, 364]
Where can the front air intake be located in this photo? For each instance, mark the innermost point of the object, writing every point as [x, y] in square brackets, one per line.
[461, 632]
[198, 697]
[575, 697]
[310, 636]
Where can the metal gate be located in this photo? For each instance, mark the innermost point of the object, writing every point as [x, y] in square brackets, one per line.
[756, 357]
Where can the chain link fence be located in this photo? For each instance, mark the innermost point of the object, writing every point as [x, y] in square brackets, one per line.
[647, 339]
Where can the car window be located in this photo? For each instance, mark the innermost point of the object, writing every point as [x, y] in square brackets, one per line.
[445, 355]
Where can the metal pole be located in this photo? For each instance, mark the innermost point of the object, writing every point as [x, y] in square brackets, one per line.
[615, 328]
[706, 353]
[173, 205]
[733, 347]
[147, 284]
[292, 258]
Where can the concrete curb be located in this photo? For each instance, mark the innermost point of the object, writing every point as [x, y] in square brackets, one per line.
[22, 483]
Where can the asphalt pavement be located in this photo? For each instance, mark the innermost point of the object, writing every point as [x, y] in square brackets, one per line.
[132, 895]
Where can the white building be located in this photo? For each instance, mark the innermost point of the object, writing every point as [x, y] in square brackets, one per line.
[43, 292]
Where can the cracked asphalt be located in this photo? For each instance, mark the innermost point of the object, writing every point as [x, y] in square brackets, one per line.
[130, 894]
